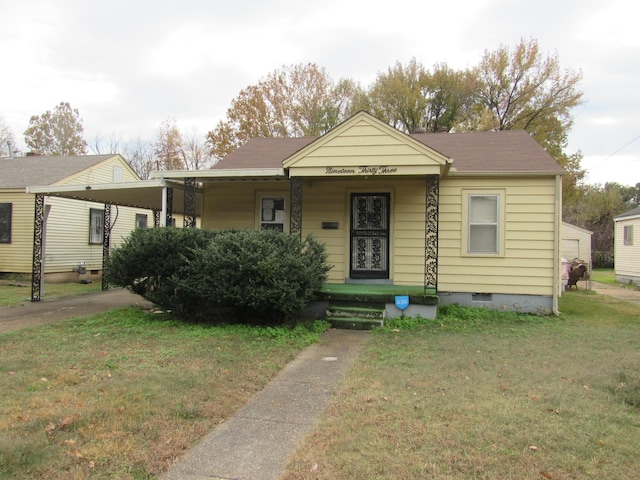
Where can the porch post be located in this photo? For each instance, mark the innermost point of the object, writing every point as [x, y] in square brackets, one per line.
[106, 241]
[431, 232]
[295, 219]
[168, 207]
[190, 202]
[38, 238]
[156, 218]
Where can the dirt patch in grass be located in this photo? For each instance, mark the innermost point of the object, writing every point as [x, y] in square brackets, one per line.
[488, 396]
[121, 395]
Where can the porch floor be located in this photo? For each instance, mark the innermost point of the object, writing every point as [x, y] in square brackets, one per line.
[377, 293]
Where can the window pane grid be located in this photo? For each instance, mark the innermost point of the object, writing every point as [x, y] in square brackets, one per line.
[483, 223]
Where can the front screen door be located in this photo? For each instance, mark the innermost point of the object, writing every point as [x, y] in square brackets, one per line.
[369, 235]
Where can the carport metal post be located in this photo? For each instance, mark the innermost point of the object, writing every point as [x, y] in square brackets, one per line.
[106, 241]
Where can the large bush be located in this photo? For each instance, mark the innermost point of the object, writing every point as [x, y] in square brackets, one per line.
[149, 262]
[260, 274]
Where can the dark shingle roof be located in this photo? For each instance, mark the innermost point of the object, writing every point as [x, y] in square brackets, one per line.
[502, 151]
[507, 151]
[21, 172]
[630, 213]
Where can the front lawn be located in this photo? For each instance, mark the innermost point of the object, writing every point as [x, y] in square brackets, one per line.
[492, 396]
[120, 395]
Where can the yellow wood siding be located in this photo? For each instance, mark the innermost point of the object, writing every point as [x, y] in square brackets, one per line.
[102, 173]
[627, 257]
[233, 205]
[17, 256]
[525, 264]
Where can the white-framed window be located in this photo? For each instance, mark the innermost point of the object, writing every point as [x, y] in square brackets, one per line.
[272, 213]
[117, 174]
[141, 220]
[96, 226]
[483, 223]
[628, 234]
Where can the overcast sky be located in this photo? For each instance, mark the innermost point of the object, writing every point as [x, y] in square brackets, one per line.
[129, 65]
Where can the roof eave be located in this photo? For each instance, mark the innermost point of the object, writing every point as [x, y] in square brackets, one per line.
[223, 174]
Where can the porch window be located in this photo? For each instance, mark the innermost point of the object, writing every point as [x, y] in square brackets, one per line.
[96, 226]
[628, 234]
[484, 214]
[272, 213]
[5, 222]
[141, 220]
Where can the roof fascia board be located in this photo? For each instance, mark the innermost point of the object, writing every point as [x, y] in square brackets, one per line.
[235, 173]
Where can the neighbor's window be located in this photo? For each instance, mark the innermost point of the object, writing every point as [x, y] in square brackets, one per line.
[484, 226]
[272, 216]
[141, 220]
[96, 225]
[5, 222]
[628, 234]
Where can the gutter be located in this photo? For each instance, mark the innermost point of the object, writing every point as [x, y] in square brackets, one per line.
[556, 246]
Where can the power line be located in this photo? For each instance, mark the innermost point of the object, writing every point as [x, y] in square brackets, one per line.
[623, 147]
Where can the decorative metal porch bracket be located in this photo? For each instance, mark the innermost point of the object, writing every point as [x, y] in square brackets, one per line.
[431, 233]
[169, 214]
[295, 220]
[190, 202]
[38, 238]
[106, 242]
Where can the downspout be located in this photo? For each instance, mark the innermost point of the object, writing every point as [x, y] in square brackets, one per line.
[556, 245]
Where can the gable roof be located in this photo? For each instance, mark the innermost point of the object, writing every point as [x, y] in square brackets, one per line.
[21, 172]
[507, 151]
[500, 152]
[631, 213]
[263, 153]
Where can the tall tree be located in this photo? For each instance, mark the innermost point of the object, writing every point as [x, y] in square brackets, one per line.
[140, 155]
[398, 98]
[299, 100]
[6, 139]
[56, 133]
[168, 146]
[194, 151]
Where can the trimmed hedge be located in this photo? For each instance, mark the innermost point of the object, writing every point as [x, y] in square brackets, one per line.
[260, 274]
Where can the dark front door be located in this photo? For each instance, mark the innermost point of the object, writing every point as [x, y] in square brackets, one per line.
[369, 235]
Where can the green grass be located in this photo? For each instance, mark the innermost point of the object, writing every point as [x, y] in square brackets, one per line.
[18, 292]
[122, 394]
[480, 394]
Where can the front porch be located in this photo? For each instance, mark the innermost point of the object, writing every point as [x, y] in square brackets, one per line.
[366, 306]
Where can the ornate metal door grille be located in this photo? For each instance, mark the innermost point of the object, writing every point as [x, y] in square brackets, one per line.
[370, 235]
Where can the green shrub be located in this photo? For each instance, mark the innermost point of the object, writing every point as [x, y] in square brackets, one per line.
[150, 262]
[263, 274]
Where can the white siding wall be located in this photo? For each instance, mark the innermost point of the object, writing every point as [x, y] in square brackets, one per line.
[627, 257]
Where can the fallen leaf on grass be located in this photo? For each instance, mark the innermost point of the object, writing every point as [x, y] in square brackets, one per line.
[546, 475]
[533, 447]
[92, 465]
[50, 427]
[76, 454]
[68, 421]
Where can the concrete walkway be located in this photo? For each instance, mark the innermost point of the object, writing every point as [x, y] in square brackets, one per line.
[256, 442]
[617, 291]
[33, 314]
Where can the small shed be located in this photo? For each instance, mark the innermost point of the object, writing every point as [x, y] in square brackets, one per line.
[627, 247]
[576, 243]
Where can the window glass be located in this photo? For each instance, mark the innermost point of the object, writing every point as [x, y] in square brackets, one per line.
[96, 226]
[141, 220]
[272, 213]
[628, 235]
[5, 222]
[483, 223]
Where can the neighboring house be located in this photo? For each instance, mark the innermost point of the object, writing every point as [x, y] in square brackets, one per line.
[468, 218]
[73, 230]
[576, 243]
[627, 247]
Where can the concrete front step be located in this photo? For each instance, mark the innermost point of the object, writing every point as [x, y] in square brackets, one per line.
[355, 317]
[354, 323]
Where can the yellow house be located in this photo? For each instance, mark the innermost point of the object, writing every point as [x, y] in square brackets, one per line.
[467, 218]
[627, 247]
[72, 231]
[475, 217]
